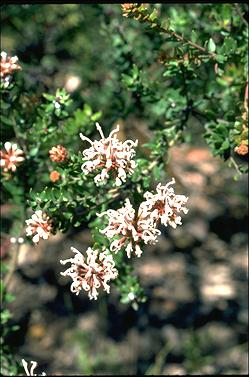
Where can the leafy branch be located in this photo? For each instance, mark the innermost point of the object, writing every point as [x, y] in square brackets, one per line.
[142, 14]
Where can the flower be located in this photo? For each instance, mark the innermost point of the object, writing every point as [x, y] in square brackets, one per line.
[8, 64]
[111, 156]
[11, 157]
[242, 149]
[131, 228]
[90, 273]
[39, 226]
[54, 176]
[58, 153]
[32, 368]
[164, 205]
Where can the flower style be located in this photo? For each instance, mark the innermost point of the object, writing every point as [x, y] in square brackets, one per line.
[58, 153]
[90, 273]
[110, 155]
[164, 205]
[11, 157]
[32, 368]
[39, 226]
[8, 65]
[131, 227]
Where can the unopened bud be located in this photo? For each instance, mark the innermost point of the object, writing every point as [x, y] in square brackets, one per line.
[54, 176]
[58, 153]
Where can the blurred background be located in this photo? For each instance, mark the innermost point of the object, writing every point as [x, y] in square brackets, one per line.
[195, 320]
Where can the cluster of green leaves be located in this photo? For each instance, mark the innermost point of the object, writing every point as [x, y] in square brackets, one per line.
[205, 71]
[128, 285]
[35, 129]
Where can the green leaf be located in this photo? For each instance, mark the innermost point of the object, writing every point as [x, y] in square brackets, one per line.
[225, 145]
[211, 45]
[153, 15]
[229, 46]
[33, 152]
[48, 96]
[193, 36]
[221, 58]
[6, 121]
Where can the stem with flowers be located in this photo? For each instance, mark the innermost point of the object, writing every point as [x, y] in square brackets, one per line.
[62, 170]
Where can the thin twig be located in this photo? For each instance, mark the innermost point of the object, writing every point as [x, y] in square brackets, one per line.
[246, 97]
[234, 163]
[156, 368]
[150, 167]
[179, 37]
[237, 7]
[192, 44]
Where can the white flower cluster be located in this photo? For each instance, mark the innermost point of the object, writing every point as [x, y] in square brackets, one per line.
[111, 156]
[90, 273]
[39, 226]
[132, 229]
[127, 227]
[164, 205]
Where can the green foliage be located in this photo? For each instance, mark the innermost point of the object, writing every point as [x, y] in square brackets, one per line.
[217, 136]
[128, 285]
[200, 65]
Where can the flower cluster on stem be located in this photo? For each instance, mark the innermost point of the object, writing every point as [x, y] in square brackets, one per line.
[109, 156]
[165, 205]
[132, 228]
[91, 272]
[39, 226]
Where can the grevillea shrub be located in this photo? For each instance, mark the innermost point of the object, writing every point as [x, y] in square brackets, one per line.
[65, 165]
